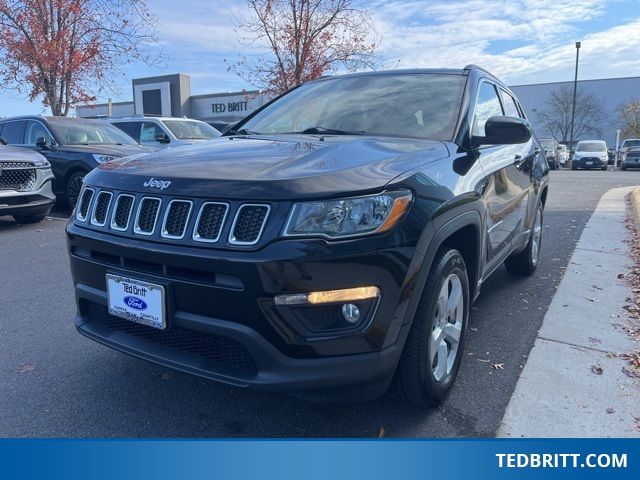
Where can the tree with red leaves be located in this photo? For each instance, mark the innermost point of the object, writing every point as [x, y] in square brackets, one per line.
[65, 51]
[305, 39]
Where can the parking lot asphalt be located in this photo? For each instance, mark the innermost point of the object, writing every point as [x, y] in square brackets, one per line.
[56, 383]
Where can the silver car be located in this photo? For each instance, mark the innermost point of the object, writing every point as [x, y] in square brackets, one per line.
[164, 132]
[26, 181]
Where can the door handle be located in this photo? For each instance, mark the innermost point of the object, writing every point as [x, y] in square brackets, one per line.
[517, 160]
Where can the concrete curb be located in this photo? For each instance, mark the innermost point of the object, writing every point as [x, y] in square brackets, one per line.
[573, 384]
[635, 204]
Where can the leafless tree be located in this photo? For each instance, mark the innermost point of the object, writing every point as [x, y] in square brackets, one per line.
[630, 118]
[556, 118]
[303, 40]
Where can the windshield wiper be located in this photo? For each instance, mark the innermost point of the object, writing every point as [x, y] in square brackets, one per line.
[242, 131]
[329, 131]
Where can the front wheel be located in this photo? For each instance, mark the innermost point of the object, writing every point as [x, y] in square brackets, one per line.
[74, 185]
[433, 351]
[526, 262]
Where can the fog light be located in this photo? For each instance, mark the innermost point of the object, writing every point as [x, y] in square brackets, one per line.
[329, 296]
[351, 312]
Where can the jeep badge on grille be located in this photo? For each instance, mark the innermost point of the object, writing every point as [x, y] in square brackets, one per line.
[153, 183]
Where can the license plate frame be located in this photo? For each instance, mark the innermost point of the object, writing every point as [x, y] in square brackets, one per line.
[142, 302]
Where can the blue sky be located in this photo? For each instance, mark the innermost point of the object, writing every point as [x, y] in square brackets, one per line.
[521, 41]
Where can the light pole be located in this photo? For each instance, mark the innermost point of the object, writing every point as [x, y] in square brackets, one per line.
[575, 91]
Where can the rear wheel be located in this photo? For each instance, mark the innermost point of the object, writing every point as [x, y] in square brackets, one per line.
[27, 219]
[74, 185]
[573, 167]
[432, 353]
[526, 262]
[604, 169]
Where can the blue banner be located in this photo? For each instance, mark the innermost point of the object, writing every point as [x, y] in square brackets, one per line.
[318, 459]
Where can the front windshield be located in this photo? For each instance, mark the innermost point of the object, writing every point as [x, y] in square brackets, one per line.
[88, 132]
[547, 144]
[591, 147]
[400, 105]
[631, 143]
[191, 130]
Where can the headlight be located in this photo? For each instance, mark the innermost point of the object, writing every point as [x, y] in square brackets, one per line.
[349, 216]
[103, 158]
[41, 164]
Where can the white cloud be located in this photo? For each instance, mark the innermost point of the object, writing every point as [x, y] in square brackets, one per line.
[453, 34]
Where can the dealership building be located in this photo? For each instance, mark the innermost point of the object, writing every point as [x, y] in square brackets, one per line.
[170, 95]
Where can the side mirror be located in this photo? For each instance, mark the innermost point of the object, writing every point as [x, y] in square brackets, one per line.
[501, 130]
[162, 138]
[41, 142]
[3, 141]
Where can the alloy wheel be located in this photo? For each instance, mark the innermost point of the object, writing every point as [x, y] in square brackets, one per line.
[447, 328]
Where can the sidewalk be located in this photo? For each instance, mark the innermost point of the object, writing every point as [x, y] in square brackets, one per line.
[573, 384]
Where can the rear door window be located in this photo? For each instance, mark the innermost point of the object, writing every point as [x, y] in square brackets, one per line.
[12, 132]
[510, 107]
[130, 128]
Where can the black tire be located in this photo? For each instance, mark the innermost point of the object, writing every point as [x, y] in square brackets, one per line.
[73, 187]
[526, 262]
[415, 378]
[623, 168]
[573, 167]
[27, 219]
[604, 169]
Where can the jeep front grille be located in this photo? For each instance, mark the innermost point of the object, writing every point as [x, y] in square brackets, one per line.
[210, 220]
[176, 218]
[162, 218]
[85, 203]
[122, 212]
[248, 224]
[101, 207]
[19, 176]
[147, 216]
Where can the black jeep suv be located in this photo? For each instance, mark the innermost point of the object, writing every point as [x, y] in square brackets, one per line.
[329, 245]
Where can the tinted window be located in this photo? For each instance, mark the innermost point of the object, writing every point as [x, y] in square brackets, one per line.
[510, 107]
[72, 131]
[400, 105]
[487, 105]
[631, 143]
[12, 132]
[35, 131]
[130, 128]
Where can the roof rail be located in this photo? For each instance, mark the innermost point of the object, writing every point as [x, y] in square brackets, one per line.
[471, 66]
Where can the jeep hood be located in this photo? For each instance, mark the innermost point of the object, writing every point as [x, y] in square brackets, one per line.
[270, 167]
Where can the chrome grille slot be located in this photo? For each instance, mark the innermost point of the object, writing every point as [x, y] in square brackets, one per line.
[210, 222]
[249, 223]
[85, 203]
[101, 207]
[122, 212]
[176, 218]
[147, 216]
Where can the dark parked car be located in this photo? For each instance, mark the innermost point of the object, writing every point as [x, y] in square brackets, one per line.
[330, 245]
[552, 152]
[25, 184]
[73, 146]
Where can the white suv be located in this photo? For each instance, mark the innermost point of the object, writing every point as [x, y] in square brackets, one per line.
[163, 132]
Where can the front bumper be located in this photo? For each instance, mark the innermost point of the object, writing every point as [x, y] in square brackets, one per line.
[227, 330]
[38, 201]
[588, 163]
